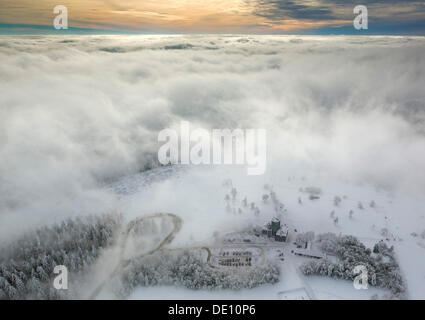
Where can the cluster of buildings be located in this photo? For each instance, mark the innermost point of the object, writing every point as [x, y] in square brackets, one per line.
[274, 229]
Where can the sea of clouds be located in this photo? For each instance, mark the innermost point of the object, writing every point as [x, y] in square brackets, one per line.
[77, 112]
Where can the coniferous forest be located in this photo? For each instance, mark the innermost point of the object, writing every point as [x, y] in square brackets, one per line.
[27, 264]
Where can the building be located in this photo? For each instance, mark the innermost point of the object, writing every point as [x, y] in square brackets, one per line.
[275, 225]
[275, 230]
[313, 190]
[304, 240]
[308, 253]
[281, 234]
[267, 227]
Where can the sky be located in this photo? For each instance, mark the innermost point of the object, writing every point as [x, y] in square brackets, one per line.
[322, 17]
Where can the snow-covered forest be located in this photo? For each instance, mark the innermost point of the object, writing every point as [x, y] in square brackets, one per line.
[26, 265]
[381, 264]
[187, 269]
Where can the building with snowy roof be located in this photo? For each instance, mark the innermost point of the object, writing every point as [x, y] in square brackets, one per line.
[282, 234]
[308, 253]
[276, 230]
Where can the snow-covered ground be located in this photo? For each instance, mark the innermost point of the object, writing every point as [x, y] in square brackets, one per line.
[197, 195]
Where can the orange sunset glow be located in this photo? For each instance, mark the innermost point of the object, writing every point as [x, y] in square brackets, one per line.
[165, 15]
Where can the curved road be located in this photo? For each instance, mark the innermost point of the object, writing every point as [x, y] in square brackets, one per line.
[177, 222]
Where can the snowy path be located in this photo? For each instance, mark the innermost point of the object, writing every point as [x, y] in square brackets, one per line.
[130, 226]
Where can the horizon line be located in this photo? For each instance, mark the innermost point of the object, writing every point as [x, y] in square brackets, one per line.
[31, 29]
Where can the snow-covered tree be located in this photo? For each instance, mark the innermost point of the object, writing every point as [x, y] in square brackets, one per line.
[337, 200]
[257, 211]
[384, 273]
[303, 239]
[26, 265]
[234, 192]
[186, 269]
[245, 202]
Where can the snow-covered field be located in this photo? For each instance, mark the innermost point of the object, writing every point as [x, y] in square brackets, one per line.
[206, 214]
[79, 123]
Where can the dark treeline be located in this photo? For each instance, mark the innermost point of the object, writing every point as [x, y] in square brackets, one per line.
[26, 265]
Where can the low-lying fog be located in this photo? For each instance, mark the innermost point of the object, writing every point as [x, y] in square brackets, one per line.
[79, 112]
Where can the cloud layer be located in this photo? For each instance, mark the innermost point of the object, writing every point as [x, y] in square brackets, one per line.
[78, 112]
